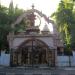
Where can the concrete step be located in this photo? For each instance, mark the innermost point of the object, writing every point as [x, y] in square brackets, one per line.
[34, 71]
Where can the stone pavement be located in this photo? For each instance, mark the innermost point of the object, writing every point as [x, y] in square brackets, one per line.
[36, 71]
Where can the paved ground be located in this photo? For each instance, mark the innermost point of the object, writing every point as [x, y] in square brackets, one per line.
[36, 71]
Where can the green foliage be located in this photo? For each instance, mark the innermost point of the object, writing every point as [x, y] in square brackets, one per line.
[3, 27]
[7, 16]
[65, 20]
[68, 50]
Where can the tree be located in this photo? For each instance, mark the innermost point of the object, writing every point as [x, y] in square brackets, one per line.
[64, 19]
[3, 27]
[7, 16]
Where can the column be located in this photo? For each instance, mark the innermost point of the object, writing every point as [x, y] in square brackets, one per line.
[19, 58]
[55, 55]
[11, 57]
[28, 58]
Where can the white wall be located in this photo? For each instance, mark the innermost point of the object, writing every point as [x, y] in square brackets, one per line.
[62, 61]
[4, 59]
[73, 59]
[66, 60]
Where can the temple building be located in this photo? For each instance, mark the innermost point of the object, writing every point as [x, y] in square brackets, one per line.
[37, 44]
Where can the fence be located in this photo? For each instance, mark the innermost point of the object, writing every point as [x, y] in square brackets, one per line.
[62, 61]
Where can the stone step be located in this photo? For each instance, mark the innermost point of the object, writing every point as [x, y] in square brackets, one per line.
[37, 73]
[27, 74]
[34, 71]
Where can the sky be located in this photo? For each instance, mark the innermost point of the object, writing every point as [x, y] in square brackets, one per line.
[46, 6]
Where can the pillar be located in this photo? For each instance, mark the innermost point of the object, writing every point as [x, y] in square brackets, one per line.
[11, 57]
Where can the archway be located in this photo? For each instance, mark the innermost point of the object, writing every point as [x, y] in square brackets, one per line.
[20, 18]
[31, 52]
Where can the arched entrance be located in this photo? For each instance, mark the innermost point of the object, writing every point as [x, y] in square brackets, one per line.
[31, 52]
